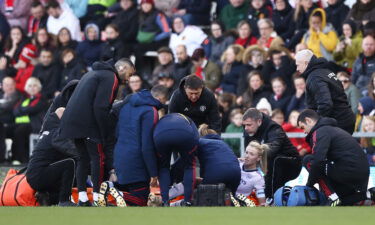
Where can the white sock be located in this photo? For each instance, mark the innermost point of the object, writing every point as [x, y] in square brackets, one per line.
[95, 196]
[82, 196]
[176, 190]
[333, 197]
[110, 184]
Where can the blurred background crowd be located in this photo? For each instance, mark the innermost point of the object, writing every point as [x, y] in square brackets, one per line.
[243, 50]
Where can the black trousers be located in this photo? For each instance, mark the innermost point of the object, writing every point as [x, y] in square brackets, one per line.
[91, 161]
[56, 179]
[349, 185]
[4, 133]
[281, 170]
[20, 146]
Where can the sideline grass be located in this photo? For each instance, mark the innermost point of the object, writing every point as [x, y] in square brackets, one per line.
[188, 216]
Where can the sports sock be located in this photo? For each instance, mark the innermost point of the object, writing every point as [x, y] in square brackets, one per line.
[176, 190]
[333, 197]
[82, 196]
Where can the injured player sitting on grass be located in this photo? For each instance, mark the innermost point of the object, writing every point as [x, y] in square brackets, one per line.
[218, 164]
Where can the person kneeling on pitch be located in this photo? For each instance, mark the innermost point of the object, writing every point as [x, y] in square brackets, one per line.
[135, 161]
[176, 133]
[52, 165]
[337, 163]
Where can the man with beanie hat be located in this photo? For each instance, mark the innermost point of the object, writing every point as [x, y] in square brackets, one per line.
[366, 106]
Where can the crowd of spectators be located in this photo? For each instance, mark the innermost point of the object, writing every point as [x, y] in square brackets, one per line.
[243, 50]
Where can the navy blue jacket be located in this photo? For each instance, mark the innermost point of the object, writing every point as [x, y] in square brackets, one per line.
[90, 51]
[134, 155]
[281, 104]
[200, 10]
[295, 103]
[230, 79]
[214, 153]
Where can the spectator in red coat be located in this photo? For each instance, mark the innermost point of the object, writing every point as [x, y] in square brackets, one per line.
[291, 127]
[25, 66]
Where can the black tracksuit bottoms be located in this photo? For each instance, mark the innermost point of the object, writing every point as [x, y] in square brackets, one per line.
[349, 185]
[56, 179]
[91, 160]
[281, 170]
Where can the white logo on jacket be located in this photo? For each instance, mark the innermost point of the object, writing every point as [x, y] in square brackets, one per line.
[332, 75]
[202, 108]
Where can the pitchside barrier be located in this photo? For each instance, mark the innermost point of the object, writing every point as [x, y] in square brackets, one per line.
[34, 138]
[290, 135]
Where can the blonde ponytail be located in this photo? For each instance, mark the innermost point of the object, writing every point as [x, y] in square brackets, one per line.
[204, 130]
[262, 151]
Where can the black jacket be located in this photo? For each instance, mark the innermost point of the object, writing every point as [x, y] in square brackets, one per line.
[336, 15]
[205, 110]
[200, 10]
[74, 70]
[230, 79]
[87, 112]
[50, 148]
[7, 104]
[284, 22]
[243, 81]
[255, 15]
[285, 71]
[49, 76]
[330, 143]
[112, 49]
[302, 22]
[273, 134]
[181, 70]
[281, 103]
[60, 100]
[251, 99]
[325, 93]
[295, 103]
[127, 21]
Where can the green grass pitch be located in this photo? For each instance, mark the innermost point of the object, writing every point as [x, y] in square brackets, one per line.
[188, 216]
